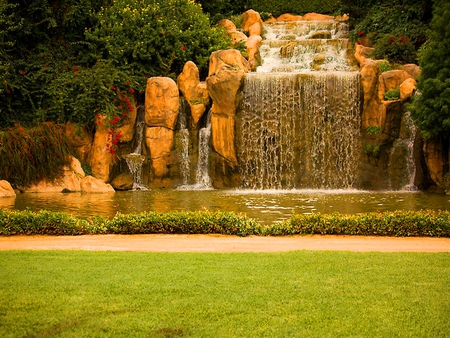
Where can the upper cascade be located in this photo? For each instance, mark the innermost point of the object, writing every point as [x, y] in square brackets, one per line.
[304, 46]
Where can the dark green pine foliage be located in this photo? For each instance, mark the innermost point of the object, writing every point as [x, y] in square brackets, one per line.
[431, 108]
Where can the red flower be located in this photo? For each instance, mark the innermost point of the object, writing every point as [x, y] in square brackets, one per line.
[403, 39]
[392, 39]
[183, 48]
[360, 33]
[8, 91]
[131, 90]
[127, 83]
[75, 68]
[22, 72]
[113, 88]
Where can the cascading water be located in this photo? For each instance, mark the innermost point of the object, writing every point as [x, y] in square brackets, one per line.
[297, 127]
[135, 159]
[202, 178]
[184, 144]
[402, 167]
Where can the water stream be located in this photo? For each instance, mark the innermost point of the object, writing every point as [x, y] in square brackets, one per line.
[299, 119]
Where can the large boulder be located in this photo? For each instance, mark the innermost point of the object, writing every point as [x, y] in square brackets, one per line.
[392, 79]
[159, 141]
[436, 158]
[252, 23]
[317, 17]
[193, 90]
[162, 105]
[253, 43]
[228, 25]
[101, 157]
[162, 102]
[226, 72]
[6, 190]
[407, 89]
[94, 185]
[289, 17]
[69, 182]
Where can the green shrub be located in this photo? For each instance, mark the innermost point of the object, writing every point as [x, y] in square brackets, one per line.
[385, 66]
[431, 108]
[30, 155]
[392, 94]
[396, 49]
[373, 130]
[398, 223]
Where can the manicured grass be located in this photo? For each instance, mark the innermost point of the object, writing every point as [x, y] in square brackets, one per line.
[292, 294]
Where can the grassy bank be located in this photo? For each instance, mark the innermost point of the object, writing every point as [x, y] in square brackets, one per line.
[294, 294]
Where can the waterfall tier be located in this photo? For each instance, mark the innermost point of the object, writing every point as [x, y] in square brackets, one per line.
[299, 130]
[301, 46]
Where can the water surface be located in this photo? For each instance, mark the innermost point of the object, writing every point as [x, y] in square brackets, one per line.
[267, 206]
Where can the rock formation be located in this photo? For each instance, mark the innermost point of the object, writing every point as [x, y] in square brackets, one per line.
[161, 111]
[6, 190]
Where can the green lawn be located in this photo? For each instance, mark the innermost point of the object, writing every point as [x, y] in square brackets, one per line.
[293, 294]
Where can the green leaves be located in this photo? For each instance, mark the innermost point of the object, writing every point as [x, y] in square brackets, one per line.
[430, 109]
[398, 223]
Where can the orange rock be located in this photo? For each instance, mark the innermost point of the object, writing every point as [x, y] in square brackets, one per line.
[317, 17]
[228, 25]
[6, 189]
[289, 17]
[252, 22]
[93, 185]
[407, 89]
[161, 102]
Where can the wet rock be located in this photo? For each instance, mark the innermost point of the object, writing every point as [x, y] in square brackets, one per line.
[6, 189]
[122, 182]
[161, 102]
[252, 23]
[193, 90]
[69, 182]
[320, 35]
[94, 185]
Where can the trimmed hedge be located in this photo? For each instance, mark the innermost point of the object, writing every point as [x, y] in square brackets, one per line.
[60, 223]
[399, 223]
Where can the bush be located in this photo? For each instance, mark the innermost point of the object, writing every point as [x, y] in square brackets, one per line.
[30, 155]
[392, 94]
[398, 223]
[431, 107]
[395, 49]
[155, 38]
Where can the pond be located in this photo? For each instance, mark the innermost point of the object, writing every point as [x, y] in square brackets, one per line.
[267, 206]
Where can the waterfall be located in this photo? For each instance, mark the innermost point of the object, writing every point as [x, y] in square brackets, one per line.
[298, 125]
[202, 178]
[135, 159]
[402, 167]
[184, 145]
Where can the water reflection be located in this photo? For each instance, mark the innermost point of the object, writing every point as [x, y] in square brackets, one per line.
[267, 206]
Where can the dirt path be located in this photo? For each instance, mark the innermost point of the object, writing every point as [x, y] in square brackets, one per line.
[220, 243]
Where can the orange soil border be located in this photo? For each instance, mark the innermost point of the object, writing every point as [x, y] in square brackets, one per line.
[221, 243]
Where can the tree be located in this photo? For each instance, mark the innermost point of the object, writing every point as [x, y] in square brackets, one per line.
[431, 107]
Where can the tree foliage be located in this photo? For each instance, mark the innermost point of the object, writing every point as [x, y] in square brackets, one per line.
[60, 58]
[431, 108]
